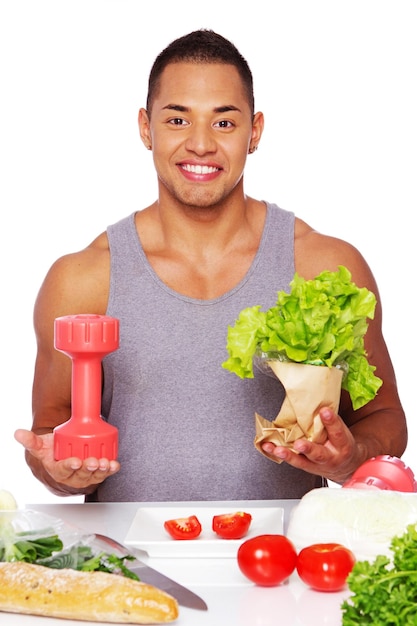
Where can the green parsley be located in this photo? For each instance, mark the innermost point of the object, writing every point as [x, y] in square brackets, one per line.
[384, 592]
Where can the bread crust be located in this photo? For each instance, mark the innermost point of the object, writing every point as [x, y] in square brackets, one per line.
[91, 596]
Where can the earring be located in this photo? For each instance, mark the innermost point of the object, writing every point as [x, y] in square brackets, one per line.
[149, 147]
[253, 149]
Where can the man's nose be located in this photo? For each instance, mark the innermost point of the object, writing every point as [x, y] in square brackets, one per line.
[201, 139]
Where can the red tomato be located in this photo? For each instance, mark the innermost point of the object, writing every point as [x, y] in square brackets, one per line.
[183, 527]
[267, 560]
[232, 525]
[325, 566]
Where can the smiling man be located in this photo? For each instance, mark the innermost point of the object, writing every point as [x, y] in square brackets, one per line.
[176, 274]
[200, 145]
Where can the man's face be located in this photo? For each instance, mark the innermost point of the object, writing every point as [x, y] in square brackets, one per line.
[200, 129]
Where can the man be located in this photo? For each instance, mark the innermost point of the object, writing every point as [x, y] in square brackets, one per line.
[176, 274]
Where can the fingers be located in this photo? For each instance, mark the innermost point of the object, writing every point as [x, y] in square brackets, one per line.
[28, 439]
[304, 446]
[318, 458]
[280, 452]
[72, 472]
[338, 433]
[79, 473]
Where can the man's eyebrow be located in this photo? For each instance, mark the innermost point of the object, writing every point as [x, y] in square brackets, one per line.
[176, 107]
[226, 108]
[183, 109]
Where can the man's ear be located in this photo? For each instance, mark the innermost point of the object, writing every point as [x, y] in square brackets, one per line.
[145, 128]
[257, 130]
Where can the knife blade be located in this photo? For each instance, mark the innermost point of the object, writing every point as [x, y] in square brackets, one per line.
[183, 595]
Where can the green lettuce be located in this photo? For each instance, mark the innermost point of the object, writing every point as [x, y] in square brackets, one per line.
[321, 321]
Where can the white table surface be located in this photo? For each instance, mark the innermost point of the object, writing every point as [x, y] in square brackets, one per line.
[232, 600]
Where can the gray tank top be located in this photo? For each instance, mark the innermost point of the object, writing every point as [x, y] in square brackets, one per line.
[186, 425]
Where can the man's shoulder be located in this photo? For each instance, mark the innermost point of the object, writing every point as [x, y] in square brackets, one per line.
[86, 267]
[316, 252]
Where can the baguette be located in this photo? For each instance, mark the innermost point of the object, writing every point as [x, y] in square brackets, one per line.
[91, 596]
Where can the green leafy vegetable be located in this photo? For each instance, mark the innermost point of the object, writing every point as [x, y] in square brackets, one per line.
[48, 551]
[110, 563]
[384, 592]
[83, 558]
[321, 321]
[72, 558]
[21, 549]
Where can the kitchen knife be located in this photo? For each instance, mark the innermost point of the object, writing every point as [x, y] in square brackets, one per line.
[185, 597]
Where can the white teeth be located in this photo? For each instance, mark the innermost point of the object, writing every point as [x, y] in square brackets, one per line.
[200, 169]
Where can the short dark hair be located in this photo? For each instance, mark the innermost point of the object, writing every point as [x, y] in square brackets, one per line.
[200, 46]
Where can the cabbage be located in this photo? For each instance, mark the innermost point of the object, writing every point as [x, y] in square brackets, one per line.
[364, 520]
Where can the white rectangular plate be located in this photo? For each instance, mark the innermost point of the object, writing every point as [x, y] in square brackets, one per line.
[147, 531]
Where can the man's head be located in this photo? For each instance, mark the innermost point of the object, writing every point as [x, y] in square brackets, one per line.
[200, 46]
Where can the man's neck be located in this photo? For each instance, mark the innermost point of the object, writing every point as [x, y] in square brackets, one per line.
[201, 258]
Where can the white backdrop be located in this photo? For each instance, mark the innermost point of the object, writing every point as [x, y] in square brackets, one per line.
[336, 81]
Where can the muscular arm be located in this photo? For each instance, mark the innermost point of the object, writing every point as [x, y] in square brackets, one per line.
[380, 426]
[76, 283]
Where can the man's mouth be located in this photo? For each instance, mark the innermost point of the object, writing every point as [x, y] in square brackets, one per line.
[199, 169]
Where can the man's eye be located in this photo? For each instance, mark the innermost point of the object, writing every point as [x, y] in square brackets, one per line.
[225, 124]
[177, 121]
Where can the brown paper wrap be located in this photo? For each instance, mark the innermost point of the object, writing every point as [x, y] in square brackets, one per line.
[308, 388]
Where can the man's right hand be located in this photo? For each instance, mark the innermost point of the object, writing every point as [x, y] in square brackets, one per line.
[68, 476]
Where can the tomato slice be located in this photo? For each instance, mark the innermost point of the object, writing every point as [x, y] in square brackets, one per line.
[325, 566]
[232, 525]
[183, 527]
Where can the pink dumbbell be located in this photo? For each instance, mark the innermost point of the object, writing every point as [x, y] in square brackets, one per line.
[86, 339]
[383, 472]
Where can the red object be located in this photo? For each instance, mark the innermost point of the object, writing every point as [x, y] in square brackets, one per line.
[232, 525]
[383, 472]
[183, 527]
[325, 566]
[267, 560]
[86, 339]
